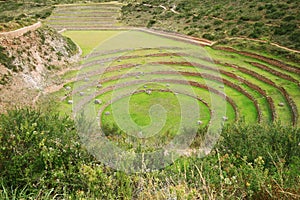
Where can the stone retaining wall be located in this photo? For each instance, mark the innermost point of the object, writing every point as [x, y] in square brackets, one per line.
[276, 73]
[271, 61]
[21, 31]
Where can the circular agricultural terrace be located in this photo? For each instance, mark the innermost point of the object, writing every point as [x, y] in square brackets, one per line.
[143, 89]
[146, 70]
[255, 87]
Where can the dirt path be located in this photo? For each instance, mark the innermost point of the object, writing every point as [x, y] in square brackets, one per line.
[263, 41]
[163, 7]
[173, 10]
[177, 36]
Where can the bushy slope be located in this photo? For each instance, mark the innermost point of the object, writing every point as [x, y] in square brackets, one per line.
[214, 20]
[41, 158]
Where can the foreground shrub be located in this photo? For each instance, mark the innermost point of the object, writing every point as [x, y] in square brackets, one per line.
[39, 150]
[41, 158]
[272, 142]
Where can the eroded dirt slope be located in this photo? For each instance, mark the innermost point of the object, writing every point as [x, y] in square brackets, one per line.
[27, 61]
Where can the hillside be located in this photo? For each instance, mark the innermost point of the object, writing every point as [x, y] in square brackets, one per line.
[27, 60]
[271, 21]
[17, 14]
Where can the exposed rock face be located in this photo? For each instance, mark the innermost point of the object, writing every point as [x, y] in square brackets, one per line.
[27, 60]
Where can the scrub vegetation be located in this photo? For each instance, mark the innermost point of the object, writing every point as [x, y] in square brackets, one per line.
[270, 21]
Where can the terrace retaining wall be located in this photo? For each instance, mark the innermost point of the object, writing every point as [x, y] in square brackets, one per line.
[270, 61]
[21, 31]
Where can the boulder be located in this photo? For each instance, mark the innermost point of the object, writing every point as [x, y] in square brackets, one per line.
[225, 118]
[97, 101]
[149, 92]
[99, 86]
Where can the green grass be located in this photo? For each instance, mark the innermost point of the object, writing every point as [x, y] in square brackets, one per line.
[89, 40]
[140, 105]
[241, 60]
[70, 74]
[245, 106]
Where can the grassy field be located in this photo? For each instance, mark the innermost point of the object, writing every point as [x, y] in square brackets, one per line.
[158, 124]
[89, 40]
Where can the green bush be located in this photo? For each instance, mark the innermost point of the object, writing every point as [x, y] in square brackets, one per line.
[245, 18]
[39, 150]
[218, 22]
[151, 23]
[234, 31]
[270, 142]
[285, 28]
[275, 15]
[6, 60]
[43, 14]
[5, 79]
[191, 32]
[256, 32]
[295, 38]
[208, 36]
[289, 18]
